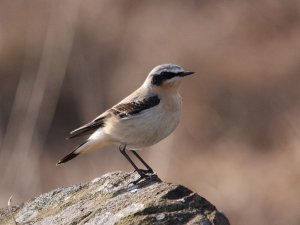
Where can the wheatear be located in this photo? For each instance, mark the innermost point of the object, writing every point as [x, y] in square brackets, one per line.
[142, 119]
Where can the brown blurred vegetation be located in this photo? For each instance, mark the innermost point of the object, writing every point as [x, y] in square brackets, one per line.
[63, 62]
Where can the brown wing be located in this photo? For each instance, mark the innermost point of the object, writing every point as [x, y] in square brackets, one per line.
[122, 110]
[126, 110]
[87, 128]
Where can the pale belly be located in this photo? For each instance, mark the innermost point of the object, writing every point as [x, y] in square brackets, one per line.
[151, 133]
[146, 129]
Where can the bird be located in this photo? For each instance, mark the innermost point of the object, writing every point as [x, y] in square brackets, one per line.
[144, 118]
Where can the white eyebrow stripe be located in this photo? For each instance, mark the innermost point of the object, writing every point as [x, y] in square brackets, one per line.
[167, 68]
[171, 70]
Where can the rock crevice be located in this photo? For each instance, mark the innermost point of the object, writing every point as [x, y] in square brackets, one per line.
[112, 199]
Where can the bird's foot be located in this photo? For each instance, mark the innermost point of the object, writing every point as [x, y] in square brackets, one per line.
[145, 175]
[143, 172]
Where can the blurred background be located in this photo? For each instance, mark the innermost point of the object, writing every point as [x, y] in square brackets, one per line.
[64, 62]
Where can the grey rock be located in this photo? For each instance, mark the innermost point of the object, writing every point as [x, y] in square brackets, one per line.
[113, 199]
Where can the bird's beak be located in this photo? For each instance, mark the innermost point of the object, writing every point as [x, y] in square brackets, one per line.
[186, 73]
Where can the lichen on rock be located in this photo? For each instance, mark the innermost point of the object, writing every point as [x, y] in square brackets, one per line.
[112, 199]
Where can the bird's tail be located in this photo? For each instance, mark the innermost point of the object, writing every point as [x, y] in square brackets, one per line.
[73, 154]
[85, 147]
[94, 142]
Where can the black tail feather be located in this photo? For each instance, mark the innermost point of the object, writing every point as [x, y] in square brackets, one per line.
[71, 155]
[67, 158]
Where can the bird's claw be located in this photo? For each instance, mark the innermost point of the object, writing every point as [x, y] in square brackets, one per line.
[145, 174]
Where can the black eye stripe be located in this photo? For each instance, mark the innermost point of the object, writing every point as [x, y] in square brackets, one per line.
[168, 75]
[159, 79]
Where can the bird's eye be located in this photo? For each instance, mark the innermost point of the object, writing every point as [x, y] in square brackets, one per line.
[163, 76]
[157, 80]
[168, 75]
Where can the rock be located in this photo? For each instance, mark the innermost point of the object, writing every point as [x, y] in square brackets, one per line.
[113, 199]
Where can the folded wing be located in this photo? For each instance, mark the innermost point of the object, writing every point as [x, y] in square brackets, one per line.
[121, 110]
[88, 128]
[129, 109]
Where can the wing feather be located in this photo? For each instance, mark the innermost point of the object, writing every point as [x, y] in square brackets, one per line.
[122, 110]
[88, 128]
[126, 110]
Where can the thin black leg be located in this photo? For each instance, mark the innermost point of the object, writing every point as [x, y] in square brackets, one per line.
[144, 174]
[123, 151]
[149, 169]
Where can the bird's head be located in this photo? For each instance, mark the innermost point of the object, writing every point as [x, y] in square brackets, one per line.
[166, 76]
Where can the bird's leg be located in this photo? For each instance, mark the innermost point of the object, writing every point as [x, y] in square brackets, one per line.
[144, 174]
[122, 149]
[149, 169]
